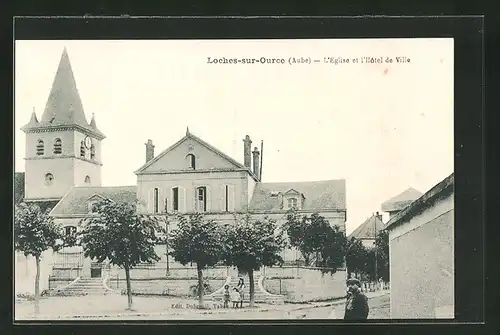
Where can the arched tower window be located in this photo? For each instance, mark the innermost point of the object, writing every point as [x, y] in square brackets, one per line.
[191, 161]
[87, 180]
[82, 149]
[57, 146]
[92, 152]
[40, 148]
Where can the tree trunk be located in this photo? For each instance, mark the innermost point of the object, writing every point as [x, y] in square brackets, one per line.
[129, 290]
[252, 287]
[201, 289]
[37, 285]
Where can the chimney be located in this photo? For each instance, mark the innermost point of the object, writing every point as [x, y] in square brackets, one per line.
[379, 216]
[247, 148]
[150, 150]
[256, 162]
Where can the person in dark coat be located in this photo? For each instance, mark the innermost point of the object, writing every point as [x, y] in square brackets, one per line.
[356, 307]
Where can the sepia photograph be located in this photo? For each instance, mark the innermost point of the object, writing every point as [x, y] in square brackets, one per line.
[241, 179]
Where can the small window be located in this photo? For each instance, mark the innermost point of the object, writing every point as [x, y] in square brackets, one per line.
[155, 200]
[70, 230]
[49, 179]
[175, 198]
[92, 152]
[292, 203]
[82, 150]
[57, 146]
[191, 161]
[201, 199]
[40, 148]
[87, 180]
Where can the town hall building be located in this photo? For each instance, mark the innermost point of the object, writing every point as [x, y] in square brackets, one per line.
[63, 166]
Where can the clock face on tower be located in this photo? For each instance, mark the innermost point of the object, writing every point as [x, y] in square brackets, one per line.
[88, 142]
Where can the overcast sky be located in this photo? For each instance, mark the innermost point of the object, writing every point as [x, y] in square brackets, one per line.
[382, 127]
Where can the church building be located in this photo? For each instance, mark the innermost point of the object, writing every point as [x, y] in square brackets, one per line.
[63, 166]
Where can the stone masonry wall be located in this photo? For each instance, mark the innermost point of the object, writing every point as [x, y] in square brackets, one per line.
[300, 284]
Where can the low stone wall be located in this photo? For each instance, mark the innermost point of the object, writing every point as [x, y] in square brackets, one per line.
[301, 284]
[179, 287]
[155, 271]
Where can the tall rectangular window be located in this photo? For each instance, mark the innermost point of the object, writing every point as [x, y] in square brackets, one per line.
[175, 198]
[201, 197]
[226, 189]
[156, 200]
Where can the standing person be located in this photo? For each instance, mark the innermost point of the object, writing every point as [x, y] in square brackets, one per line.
[235, 297]
[356, 307]
[241, 287]
[227, 296]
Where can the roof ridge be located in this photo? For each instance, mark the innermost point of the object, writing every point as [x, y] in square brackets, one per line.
[309, 181]
[115, 186]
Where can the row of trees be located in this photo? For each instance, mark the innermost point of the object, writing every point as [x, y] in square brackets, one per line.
[125, 238]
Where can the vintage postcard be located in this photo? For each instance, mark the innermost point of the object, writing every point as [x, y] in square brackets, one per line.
[234, 179]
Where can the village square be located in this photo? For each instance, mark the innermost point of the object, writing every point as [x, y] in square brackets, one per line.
[202, 236]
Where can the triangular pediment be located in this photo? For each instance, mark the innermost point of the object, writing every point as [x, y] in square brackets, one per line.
[293, 192]
[177, 158]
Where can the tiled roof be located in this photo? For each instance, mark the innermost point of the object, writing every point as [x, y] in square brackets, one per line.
[401, 200]
[64, 106]
[442, 189]
[18, 187]
[368, 229]
[75, 201]
[319, 195]
[46, 205]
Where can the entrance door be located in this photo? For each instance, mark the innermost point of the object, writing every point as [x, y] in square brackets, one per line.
[95, 272]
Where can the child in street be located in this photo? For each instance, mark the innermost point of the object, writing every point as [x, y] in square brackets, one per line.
[235, 297]
[227, 296]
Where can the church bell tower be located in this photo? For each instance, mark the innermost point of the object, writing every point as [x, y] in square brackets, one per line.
[62, 149]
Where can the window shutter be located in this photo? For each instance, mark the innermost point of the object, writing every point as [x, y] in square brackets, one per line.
[182, 199]
[231, 198]
[169, 198]
[195, 199]
[222, 197]
[208, 199]
[150, 201]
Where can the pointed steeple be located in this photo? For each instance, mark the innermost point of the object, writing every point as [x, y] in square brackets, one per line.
[64, 106]
[33, 121]
[92, 122]
[187, 131]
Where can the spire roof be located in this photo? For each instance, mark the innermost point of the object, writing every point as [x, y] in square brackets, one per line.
[64, 106]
